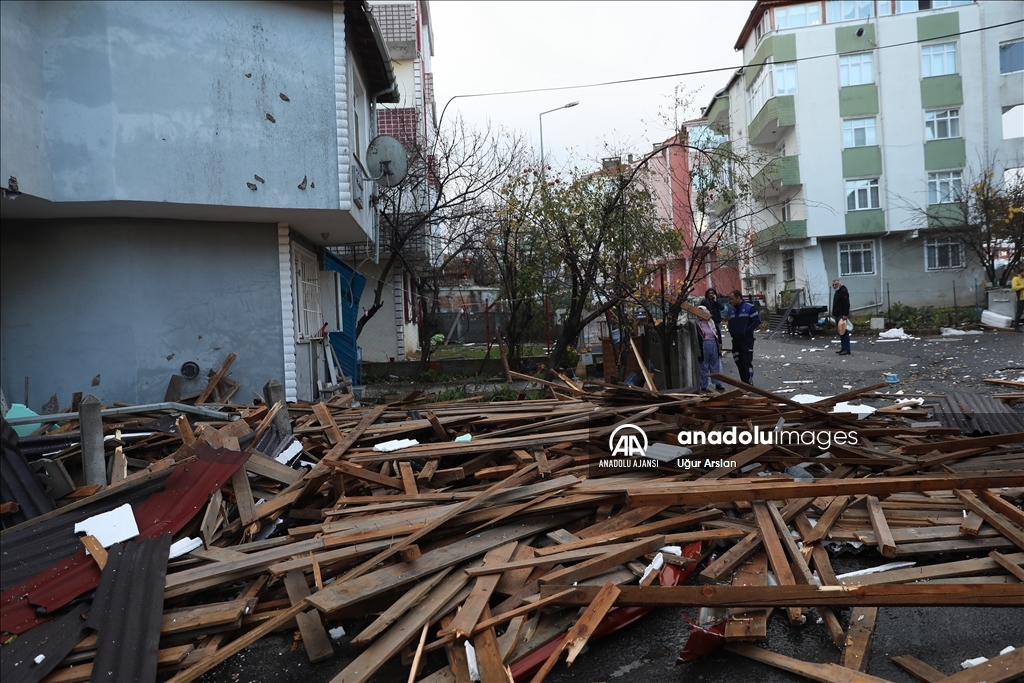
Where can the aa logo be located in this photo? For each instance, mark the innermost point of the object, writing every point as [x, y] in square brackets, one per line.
[628, 441]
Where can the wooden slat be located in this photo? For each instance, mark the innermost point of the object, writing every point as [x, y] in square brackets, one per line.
[749, 624]
[326, 420]
[243, 497]
[215, 379]
[776, 556]
[862, 627]
[883, 537]
[582, 629]
[1005, 526]
[462, 626]
[602, 563]
[314, 637]
[918, 669]
[825, 673]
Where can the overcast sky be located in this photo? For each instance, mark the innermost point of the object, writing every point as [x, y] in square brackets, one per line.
[483, 47]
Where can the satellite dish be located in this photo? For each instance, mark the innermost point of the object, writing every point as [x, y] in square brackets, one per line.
[386, 160]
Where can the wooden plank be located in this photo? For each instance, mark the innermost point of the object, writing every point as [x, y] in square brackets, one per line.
[862, 628]
[648, 380]
[798, 563]
[729, 490]
[435, 424]
[825, 673]
[96, 549]
[259, 464]
[971, 524]
[605, 562]
[1000, 505]
[962, 444]
[883, 537]
[514, 579]
[756, 597]
[581, 631]
[776, 556]
[322, 471]
[408, 479]
[326, 420]
[827, 519]
[462, 626]
[243, 497]
[918, 669]
[828, 578]
[215, 379]
[935, 571]
[402, 632]
[314, 637]
[624, 520]
[209, 616]
[489, 659]
[211, 518]
[185, 430]
[1008, 667]
[745, 624]
[405, 602]
[368, 475]
[740, 459]
[634, 532]
[1005, 526]
[1006, 564]
[419, 653]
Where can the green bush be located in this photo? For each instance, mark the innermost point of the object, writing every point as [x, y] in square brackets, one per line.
[430, 375]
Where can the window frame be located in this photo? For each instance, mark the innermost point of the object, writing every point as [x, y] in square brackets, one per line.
[952, 118]
[937, 243]
[931, 47]
[950, 197]
[1008, 43]
[787, 11]
[857, 6]
[866, 185]
[860, 57]
[863, 246]
[308, 304]
[872, 142]
[788, 264]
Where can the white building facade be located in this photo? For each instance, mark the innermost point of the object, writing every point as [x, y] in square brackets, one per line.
[869, 113]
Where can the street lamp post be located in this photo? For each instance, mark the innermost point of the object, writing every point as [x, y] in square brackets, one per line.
[540, 119]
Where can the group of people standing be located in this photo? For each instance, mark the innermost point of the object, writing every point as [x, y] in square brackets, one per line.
[743, 322]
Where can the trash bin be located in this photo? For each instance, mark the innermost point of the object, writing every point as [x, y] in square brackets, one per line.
[1001, 301]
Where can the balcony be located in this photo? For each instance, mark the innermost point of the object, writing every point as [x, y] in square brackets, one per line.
[777, 113]
[786, 231]
[777, 175]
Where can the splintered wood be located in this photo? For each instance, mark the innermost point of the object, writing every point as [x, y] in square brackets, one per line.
[376, 519]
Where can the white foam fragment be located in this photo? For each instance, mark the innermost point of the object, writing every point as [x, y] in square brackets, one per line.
[474, 669]
[39, 659]
[968, 663]
[894, 333]
[183, 546]
[110, 527]
[860, 411]
[672, 550]
[394, 445]
[336, 633]
[285, 456]
[875, 570]
[657, 563]
[1007, 649]
[808, 398]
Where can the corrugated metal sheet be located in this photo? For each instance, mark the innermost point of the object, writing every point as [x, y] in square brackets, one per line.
[185, 492]
[977, 414]
[26, 552]
[18, 482]
[54, 640]
[127, 610]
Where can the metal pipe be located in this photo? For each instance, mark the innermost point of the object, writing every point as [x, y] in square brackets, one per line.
[125, 410]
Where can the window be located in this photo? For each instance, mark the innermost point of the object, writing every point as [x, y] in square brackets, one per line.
[862, 194]
[785, 79]
[942, 124]
[858, 133]
[788, 269]
[786, 212]
[306, 282]
[938, 60]
[808, 14]
[856, 69]
[903, 6]
[1011, 57]
[941, 253]
[764, 26]
[944, 187]
[848, 10]
[856, 258]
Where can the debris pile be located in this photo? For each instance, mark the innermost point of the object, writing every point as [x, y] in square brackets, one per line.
[465, 537]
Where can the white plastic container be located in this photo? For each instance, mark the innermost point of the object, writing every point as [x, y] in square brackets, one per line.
[996, 319]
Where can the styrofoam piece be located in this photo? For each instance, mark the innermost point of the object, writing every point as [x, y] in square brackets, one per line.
[860, 411]
[474, 669]
[994, 319]
[110, 527]
[1007, 649]
[183, 546]
[394, 445]
[337, 633]
[894, 333]
[657, 563]
[808, 398]
[974, 661]
[293, 449]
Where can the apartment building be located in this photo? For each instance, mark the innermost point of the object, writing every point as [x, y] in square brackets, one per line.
[866, 116]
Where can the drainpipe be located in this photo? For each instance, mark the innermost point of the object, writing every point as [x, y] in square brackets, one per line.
[885, 172]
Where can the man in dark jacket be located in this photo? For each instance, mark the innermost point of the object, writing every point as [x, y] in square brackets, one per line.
[841, 313]
[743, 320]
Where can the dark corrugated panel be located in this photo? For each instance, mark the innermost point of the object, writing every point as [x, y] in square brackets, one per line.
[185, 493]
[26, 552]
[54, 640]
[977, 414]
[18, 482]
[127, 611]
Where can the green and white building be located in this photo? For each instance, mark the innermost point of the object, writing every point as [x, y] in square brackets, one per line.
[868, 113]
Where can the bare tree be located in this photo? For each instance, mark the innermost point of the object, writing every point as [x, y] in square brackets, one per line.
[450, 188]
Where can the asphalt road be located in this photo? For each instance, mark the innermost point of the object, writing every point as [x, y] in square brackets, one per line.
[646, 652]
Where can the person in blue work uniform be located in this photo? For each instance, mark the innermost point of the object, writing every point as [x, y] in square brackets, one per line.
[743, 321]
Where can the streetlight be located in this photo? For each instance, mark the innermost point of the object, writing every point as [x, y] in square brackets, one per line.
[540, 118]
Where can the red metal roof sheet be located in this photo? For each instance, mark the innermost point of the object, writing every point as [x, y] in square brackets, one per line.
[184, 495]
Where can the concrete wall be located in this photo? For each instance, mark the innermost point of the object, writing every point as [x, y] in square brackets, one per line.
[168, 102]
[129, 301]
